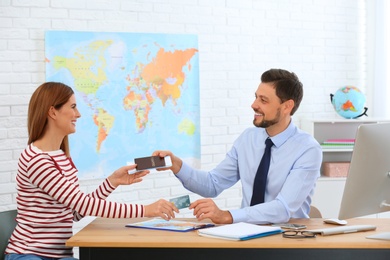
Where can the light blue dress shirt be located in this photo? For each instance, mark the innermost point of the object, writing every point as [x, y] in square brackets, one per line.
[294, 169]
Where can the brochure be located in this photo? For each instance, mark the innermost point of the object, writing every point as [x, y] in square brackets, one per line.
[170, 225]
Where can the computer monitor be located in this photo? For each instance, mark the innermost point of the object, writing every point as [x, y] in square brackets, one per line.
[367, 188]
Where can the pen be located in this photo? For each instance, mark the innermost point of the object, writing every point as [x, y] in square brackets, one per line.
[199, 226]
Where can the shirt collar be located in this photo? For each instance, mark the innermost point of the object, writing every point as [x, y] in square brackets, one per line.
[282, 137]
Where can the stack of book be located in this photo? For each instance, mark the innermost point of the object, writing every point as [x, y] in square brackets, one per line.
[338, 143]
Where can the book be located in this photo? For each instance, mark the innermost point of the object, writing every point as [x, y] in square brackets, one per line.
[334, 143]
[239, 231]
[170, 225]
[337, 146]
[341, 140]
[338, 143]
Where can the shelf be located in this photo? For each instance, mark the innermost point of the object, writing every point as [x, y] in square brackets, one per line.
[329, 190]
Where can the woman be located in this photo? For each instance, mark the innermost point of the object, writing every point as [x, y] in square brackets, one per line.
[49, 198]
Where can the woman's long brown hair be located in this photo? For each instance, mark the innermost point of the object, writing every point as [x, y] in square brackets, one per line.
[45, 96]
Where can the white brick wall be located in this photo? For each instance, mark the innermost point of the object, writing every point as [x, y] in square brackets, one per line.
[320, 40]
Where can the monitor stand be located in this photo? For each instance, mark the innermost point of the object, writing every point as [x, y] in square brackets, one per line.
[380, 236]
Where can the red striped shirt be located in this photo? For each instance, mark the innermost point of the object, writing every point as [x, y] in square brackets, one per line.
[49, 199]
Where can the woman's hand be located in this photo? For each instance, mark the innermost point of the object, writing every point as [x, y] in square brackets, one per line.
[122, 176]
[161, 208]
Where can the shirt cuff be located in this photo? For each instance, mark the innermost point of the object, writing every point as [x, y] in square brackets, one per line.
[184, 173]
[238, 215]
[110, 186]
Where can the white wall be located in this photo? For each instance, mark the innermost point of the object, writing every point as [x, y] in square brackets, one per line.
[323, 41]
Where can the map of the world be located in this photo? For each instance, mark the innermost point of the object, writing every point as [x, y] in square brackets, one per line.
[136, 93]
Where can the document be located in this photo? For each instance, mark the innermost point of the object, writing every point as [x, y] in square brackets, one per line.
[239, 231]
[170, 225]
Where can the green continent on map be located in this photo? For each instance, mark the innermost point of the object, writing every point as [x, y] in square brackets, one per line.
[104, 122]
[161, 78]
[187, 127]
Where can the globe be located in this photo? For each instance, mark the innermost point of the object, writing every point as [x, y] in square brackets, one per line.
[349, 102]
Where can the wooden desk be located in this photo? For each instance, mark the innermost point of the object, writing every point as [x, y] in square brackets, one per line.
[110, 239]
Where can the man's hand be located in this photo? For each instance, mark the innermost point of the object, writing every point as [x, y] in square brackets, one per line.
[206, 208]
[176, 161]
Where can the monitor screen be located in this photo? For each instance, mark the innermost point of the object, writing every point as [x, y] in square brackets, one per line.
[367, 188]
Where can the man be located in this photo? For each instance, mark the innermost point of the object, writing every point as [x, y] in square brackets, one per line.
[293, 168]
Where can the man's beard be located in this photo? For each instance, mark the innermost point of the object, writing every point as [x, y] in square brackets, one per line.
[267, 123]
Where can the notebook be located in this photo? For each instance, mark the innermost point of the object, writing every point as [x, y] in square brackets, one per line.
[239, 231]
[342, 230]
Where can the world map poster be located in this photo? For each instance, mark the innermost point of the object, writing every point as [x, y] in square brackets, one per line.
[136, 92]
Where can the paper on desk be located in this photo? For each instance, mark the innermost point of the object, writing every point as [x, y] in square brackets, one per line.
[239, 231]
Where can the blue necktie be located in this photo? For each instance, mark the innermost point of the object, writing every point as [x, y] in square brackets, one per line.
[261, 175]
